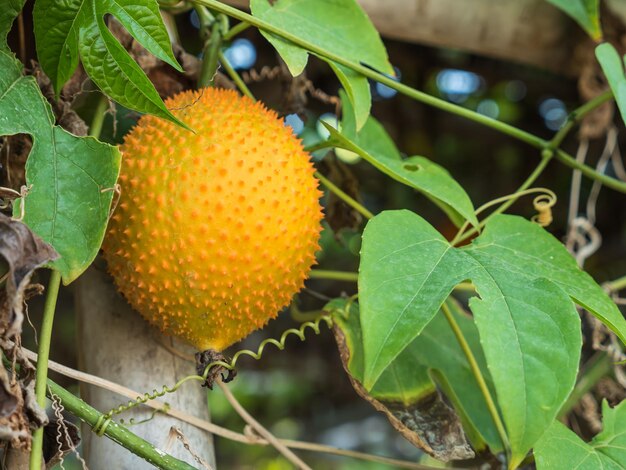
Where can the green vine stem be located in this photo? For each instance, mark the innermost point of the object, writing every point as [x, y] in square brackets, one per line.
[211, 29]
[343, 196]
[98, 117]
[576, 115]
[235, 77]
[115, 432]
[235, 30]
[45, 335]
[617, 284]
[597, 367]
[546, 156]
[334, 275]
[469, 355]
[425, 98]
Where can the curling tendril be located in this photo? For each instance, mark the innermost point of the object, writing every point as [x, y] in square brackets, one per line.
[100, 427]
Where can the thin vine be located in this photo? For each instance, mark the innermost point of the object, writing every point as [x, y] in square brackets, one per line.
[417, 95]
[105, 419]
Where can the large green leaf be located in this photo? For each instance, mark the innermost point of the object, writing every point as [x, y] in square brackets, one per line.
[72, 28]
[338, 26]
[419, 173]
[8, 12]
[585, 12]
[528, 325]
[70, 178]
[410, 385]
[560, 449]
[613, 67]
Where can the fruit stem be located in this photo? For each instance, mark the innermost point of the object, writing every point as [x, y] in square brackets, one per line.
[343, 196]
[45, 335]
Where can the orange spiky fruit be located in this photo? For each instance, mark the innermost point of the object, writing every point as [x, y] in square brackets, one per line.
[215, 230]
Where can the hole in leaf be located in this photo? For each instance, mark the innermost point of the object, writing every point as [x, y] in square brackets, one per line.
[411, 167]
[14, 151]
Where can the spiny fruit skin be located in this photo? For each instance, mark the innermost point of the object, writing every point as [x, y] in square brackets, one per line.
[214, 231]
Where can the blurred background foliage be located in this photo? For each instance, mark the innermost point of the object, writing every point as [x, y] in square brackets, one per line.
[303, 392]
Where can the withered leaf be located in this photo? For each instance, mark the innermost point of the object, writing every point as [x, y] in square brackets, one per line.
[19, 412]
[23, 252]
[60, 437]
[413, 404]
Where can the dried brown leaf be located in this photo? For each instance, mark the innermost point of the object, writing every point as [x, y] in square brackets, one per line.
[430, 423]
[23, 252]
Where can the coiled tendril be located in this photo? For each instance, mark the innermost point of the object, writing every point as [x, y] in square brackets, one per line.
[104, 420]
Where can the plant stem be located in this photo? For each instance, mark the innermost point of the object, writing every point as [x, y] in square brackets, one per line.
[415, 94]
[462, 235]
[334, 275]
[324, 144]
[482, 385]
[45, 335]
[213, 43]
[576, 115]
[98, 117]
[343, 196]
[235, 30]
[116, 432]
[617, 284]
[597, 367]
[546, 155]
[234, 76]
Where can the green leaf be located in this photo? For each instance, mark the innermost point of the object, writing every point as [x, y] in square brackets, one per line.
[408, 390]
[70, 178]
[528, 325]
[338, 26]
[561, 449]
[407, 270]
[419, 173]
[8, 12]
[585, 12]
[372, 137]
[613, 67]
[531, 252]
[358, 89]
[66, 30]
[519, 327]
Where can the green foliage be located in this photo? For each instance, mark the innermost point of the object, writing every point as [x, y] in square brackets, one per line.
[561, 449]
[372, 137]
[70, 178]
[433, 359]
[613, 67]
[339, 26]
[585, 12]
[529, 329]
[66, 30]
[375, 146]
[9, 11]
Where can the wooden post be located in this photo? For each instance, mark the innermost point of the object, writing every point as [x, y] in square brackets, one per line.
[117, 344]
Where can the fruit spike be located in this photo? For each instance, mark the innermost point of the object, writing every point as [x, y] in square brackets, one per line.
[215, 231]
